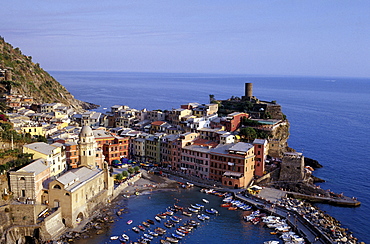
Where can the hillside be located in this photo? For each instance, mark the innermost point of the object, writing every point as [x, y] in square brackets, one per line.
[27, 78]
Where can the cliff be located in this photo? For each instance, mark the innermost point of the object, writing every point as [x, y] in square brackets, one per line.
[19, 75]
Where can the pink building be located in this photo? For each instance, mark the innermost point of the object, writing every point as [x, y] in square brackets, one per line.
[260, 150]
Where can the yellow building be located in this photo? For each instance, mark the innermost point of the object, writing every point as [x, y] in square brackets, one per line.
[53, 154]
[37, 130]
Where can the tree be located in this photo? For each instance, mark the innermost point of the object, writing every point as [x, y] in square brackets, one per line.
[137, 169]
[131, 170]
[118, 176]
[248, 133]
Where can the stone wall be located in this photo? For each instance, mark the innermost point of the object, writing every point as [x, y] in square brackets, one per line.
[52, 226]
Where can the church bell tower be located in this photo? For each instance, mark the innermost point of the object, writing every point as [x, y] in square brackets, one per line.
[87, 147]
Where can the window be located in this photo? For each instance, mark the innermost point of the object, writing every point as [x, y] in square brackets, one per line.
[57, 187]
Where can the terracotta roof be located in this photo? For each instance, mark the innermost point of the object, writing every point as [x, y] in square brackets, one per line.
[158, 122]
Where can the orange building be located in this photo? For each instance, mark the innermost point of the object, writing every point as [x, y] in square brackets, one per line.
[232, 164]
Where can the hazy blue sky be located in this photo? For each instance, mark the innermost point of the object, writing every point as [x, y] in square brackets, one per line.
[297, 37]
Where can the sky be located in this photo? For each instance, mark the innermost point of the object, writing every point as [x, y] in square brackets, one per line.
[290, 37]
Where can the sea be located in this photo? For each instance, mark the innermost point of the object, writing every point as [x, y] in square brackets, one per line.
[329, 121]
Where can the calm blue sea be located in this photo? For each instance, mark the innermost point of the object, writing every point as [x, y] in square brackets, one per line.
[329, 119]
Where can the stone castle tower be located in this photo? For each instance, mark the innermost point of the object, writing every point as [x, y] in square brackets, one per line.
[87, 147]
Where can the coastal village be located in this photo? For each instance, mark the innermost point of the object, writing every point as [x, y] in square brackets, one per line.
[82, 160]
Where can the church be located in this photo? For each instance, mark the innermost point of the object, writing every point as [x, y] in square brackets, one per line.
[76, 192]
[80, 190]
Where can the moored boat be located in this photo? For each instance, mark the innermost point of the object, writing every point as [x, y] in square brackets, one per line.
[135, 229]
[172, 240]
[124, 238]
[187, 213]
[150, 221]
[205, 200]
[157, 218]
[129, 222]
[114, 237]
[211, 211]
[193, 210]
[146, 224]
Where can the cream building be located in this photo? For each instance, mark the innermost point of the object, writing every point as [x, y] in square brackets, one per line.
[29, 181]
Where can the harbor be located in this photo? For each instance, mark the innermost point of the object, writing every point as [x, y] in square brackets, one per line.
[172, 192]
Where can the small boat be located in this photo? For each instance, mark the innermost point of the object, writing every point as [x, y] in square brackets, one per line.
[184, 229]
[114, 237]
[157, 218]
[152, 233]
[172, 240]
[165, 242]
[118, 213]
[232, 208]
[199, 205]
[176, 236]
[146, 224]
[124, 238]
[195, 206]
[148, 236]
[168, 224]
[193, 210]
[226, 205]
[162, 215]
[205, 216]
[141, 227]
[177, 207]
[175, 219]
[129, 222]
[179, 233]
[160, 231]
[211, 211]
[205, 200]
[169, 212]
[200, 217]
[187, 213]
[135, 229]
[150, 221]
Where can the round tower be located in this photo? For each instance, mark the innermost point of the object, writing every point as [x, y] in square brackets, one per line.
[87, 147]
[248, 90]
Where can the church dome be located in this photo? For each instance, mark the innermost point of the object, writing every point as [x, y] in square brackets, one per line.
[86, 131]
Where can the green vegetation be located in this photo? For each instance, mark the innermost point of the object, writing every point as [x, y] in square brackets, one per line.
[249, 134]
[131, 170]
[22, 160]
[118, 177]
[137, 169]
[124, 173]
